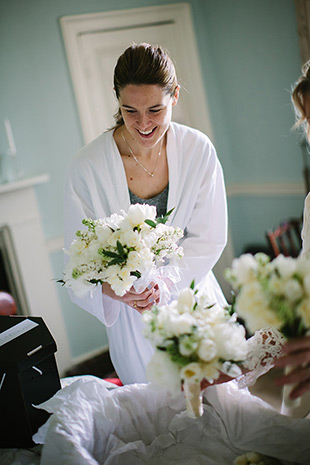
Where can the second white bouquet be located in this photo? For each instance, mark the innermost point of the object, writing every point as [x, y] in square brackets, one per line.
[194, 340]
[120, 249]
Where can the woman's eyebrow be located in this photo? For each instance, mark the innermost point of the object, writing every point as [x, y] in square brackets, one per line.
[133, 108]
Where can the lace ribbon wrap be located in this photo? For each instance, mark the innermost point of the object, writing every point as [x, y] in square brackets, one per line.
[165, 276]
[263, 348]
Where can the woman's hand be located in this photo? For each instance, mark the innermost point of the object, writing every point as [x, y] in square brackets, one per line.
[140, 302]
[296, 353]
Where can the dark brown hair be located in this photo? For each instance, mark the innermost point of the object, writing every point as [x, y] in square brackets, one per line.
[300, 89]
[142, 64]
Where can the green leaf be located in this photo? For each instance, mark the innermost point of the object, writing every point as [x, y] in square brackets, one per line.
[164, 219]
[116, 261]
[120, 249]
[136, 273]
[150, 223]
[108, 253]
[192, 285]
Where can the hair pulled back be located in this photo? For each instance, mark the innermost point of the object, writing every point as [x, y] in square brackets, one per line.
[302, 88]
[143, 64]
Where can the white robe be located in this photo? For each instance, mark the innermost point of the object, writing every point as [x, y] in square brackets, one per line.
[305, 233]
[96, 187]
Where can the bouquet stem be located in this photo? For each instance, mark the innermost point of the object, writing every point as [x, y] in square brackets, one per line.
[193, 399]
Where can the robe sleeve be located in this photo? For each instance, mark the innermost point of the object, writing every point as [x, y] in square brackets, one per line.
[78, 205]
[206, 228]
[305, 233]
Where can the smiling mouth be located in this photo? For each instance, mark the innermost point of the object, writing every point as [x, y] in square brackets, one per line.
[146, 133]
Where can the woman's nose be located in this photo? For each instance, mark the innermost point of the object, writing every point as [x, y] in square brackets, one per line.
[143, 120]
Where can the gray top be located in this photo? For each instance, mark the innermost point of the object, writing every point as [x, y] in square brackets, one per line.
[160, 201]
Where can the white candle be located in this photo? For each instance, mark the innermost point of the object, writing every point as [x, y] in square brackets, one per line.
[9, 135]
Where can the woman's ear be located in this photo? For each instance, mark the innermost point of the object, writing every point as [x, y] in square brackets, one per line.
[175, 97]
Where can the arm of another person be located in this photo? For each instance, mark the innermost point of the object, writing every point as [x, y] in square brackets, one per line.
[296, 354]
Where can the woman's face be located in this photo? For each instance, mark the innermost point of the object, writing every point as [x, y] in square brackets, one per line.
[146, 111]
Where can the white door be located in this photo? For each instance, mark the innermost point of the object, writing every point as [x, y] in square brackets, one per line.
[94, 42]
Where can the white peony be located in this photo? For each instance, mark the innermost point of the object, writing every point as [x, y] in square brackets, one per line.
[286, 266]
[163, 373]
[186, 300]
[137, 214]
[230, 341]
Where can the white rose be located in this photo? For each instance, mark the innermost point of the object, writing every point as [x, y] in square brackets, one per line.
[130, 238]
[103, 234]
[207, 350]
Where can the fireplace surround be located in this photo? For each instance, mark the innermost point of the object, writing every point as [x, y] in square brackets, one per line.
[29, 272]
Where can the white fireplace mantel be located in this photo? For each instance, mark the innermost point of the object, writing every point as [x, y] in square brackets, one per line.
[20, 213]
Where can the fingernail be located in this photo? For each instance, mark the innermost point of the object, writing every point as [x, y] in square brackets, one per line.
[151, 299]
[149, 286]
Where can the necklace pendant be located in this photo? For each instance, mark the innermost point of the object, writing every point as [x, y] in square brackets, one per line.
[152, 174]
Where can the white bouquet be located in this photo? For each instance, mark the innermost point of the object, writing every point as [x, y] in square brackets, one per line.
[120, 249]
[272, 293]
[194, 340]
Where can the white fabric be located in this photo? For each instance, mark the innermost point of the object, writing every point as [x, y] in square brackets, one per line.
[96, 187]
[135, 425]
[305, 233]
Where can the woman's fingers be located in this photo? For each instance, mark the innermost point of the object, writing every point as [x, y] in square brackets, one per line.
[300, 377]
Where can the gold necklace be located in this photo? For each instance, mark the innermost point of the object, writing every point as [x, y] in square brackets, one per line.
[152, 174]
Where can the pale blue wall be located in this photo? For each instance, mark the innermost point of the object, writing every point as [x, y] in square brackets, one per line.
[250, 57]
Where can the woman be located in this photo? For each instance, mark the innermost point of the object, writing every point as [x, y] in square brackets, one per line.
[146, 158]
[297, 352]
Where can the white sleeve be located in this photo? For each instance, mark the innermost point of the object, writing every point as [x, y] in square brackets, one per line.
[206, 230]
[305, 233]
[77, 206]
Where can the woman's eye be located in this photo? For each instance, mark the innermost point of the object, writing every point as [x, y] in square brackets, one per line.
[155, 111]
[130, 111]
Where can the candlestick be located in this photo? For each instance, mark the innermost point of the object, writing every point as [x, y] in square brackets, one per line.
[9, 135]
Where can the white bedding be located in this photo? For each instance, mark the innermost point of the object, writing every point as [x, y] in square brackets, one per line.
[136, 425]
